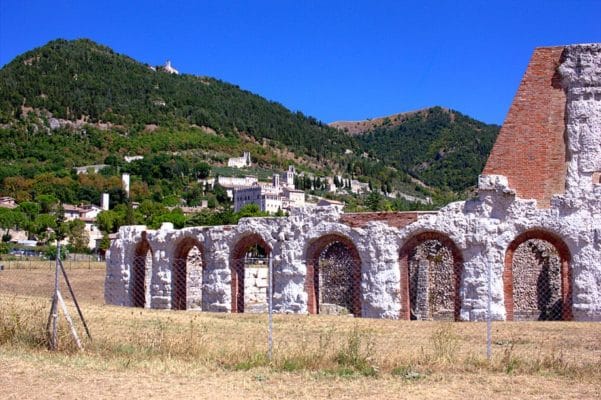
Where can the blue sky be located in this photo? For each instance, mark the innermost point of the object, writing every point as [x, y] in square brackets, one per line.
[334, 60]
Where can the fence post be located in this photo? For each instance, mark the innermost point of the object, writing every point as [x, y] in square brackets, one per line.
[270, 308]
[54, 308]
[489, 313]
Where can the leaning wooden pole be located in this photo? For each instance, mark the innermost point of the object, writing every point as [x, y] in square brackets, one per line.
[75, 299]
[69, 320]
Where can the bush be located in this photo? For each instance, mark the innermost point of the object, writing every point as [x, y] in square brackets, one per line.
[5, 248]
[52, 252]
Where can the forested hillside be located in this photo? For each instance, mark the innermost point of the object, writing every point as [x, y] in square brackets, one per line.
[73, 103]
[82, 79]
[442, 148]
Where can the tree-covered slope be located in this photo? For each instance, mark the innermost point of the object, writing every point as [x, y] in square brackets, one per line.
[82, 79]
[443, 148]
[123, 107]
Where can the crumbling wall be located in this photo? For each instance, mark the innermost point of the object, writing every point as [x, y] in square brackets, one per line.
[525, 193]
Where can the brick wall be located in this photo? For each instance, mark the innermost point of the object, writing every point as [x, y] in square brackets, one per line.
[395, 219]
[530, 149]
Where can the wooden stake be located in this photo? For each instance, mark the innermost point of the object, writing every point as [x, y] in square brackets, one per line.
[75, 300]
[69, 321]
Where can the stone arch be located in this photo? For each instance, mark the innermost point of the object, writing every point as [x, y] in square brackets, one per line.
[187, 275]
[141, 273]
[428, 286]
[553, 284]
[239, 261]
[344, 283]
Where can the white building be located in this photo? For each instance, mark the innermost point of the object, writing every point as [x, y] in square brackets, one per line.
[287, 178]
[72, 212]
[359, 187]
[170, 69]
[129, 159]
[266, 197]
[271, 197]
[94, 234]
[292, 198]
[90, 168]
[87, 213]
[240, 162]
[229, 183]
[7, 202]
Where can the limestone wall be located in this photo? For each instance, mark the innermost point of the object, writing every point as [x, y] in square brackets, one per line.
[482, 233]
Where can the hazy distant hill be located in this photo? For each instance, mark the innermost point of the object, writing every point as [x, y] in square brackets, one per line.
[441, 147]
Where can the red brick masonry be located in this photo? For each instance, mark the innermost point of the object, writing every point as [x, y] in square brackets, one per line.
[395, 219]
[530, 149]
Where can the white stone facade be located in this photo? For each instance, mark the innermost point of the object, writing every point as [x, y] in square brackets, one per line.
[482, 229]
[271, 198]
[240, 162]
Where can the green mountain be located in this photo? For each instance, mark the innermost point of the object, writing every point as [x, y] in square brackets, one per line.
[81, 79]
[73, 103]
[442, 148]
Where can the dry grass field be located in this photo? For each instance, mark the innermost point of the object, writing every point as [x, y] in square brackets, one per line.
[150, 353]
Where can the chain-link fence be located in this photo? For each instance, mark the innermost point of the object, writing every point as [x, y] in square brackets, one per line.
[335, 336]
[37, 261]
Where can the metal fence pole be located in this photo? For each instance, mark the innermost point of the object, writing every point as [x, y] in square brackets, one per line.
[270, 308]
[489, 314]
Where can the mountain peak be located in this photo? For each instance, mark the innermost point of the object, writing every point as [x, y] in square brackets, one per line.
[359, 127]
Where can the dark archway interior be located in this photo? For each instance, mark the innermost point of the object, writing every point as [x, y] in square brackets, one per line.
[333, 280]
[536, 278]
[431, 268]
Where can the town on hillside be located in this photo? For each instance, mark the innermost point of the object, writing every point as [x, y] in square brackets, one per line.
[278, 196]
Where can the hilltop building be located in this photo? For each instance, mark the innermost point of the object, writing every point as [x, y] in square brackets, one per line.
[240, 162]
[168, 68]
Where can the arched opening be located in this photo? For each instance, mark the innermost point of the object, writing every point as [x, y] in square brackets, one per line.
[141, 274]
[537, 278]
[187, 276]
[333, 281]
[249, 266]
[431, 267]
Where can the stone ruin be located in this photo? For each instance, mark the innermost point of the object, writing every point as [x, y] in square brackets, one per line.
[535, 223]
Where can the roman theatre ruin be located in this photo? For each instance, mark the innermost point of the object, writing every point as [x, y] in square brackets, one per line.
[535, 224]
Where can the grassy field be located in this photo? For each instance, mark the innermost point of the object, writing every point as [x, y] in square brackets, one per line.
[137, 353]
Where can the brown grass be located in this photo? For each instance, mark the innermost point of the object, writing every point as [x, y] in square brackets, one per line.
[138, 352]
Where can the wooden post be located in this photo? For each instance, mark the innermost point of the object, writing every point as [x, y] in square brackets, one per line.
[75, 300]
[57, 299]
[53, 317]
[69, 320]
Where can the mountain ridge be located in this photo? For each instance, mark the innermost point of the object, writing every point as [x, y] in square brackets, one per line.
[85, 94]
[357, 127]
